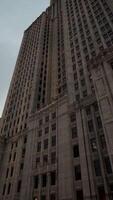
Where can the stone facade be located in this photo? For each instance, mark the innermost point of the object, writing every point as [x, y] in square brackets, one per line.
[56, 131]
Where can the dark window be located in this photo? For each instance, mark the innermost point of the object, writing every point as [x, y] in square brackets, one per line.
[40, 133]
[46, 130]
[101, 193]
[44, 180]
[25, 140]
[12, 169]
[43, 197]
[93, 145]
[39, 147]
[79, 194]
[7, 172]
[53, 157]
[73, 117]
[23, 153]
[9, 188]
[90, 125]
[47, 119]
[54, 115]
[76, 151]
[53, 127]
[19, 186]
[108, 165]
[52, 197]
[97, 168]
[74, 132]
[53, 141]
[14, 157]
[46, 144]
[103, 142]
[45, 159]
[77, 172]
[36, 181]
[4, 189]
[99, 123]
[53, 178]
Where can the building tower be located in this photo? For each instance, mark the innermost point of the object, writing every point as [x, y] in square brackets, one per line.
[56, 139]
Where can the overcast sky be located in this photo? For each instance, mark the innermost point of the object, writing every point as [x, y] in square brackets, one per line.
[15, 17]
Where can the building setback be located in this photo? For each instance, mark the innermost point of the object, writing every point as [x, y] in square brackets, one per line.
[56, 139]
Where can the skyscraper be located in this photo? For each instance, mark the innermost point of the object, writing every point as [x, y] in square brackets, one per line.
[56, 139]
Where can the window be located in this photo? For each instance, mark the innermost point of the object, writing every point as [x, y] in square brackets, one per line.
[23, 153]
[52, 197]
[37, 161]
[53, 127]
[75, 151]
[53, 141]
[54, 115]
[40, 133]
[108, 165]
[7, 172]
[4, 189]
[9, 188]
[90, 125]
[73, 117]
[14, 156]
[46, 144]
[45, 159]
[74, 132]
[53, 157]
[77, 172]
[103, 142]
[36, 181]
[46, 118]
[12, 169]
[39, 147]
[44, 180]
[99, 123]
[97, 168]
[79, 194]
[19, 186]
[53, 178]
[43, 197]
[46, 130]
[93, 145]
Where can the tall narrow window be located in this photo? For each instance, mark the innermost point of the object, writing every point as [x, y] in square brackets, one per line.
[53, 178]
[19, 186]
[36, 181]
[77, 172]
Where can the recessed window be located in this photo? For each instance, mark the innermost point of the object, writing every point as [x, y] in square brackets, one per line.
[97, 168]
[46, 144]
[74, 132]
[46, 130]
[44, 180]
[4, 189]
[77, 172]
[75, 151]
[53, 141]
[108, 165]
[39, 147]
[9, 188]
[53, 178]
[53, 127]
[52, 197]
[79, 194]
[43, 197]
[53, 157]
[45, 159]
[90, 125]
[36, 181]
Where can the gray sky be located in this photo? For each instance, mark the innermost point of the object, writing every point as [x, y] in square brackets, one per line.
[15, 17]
